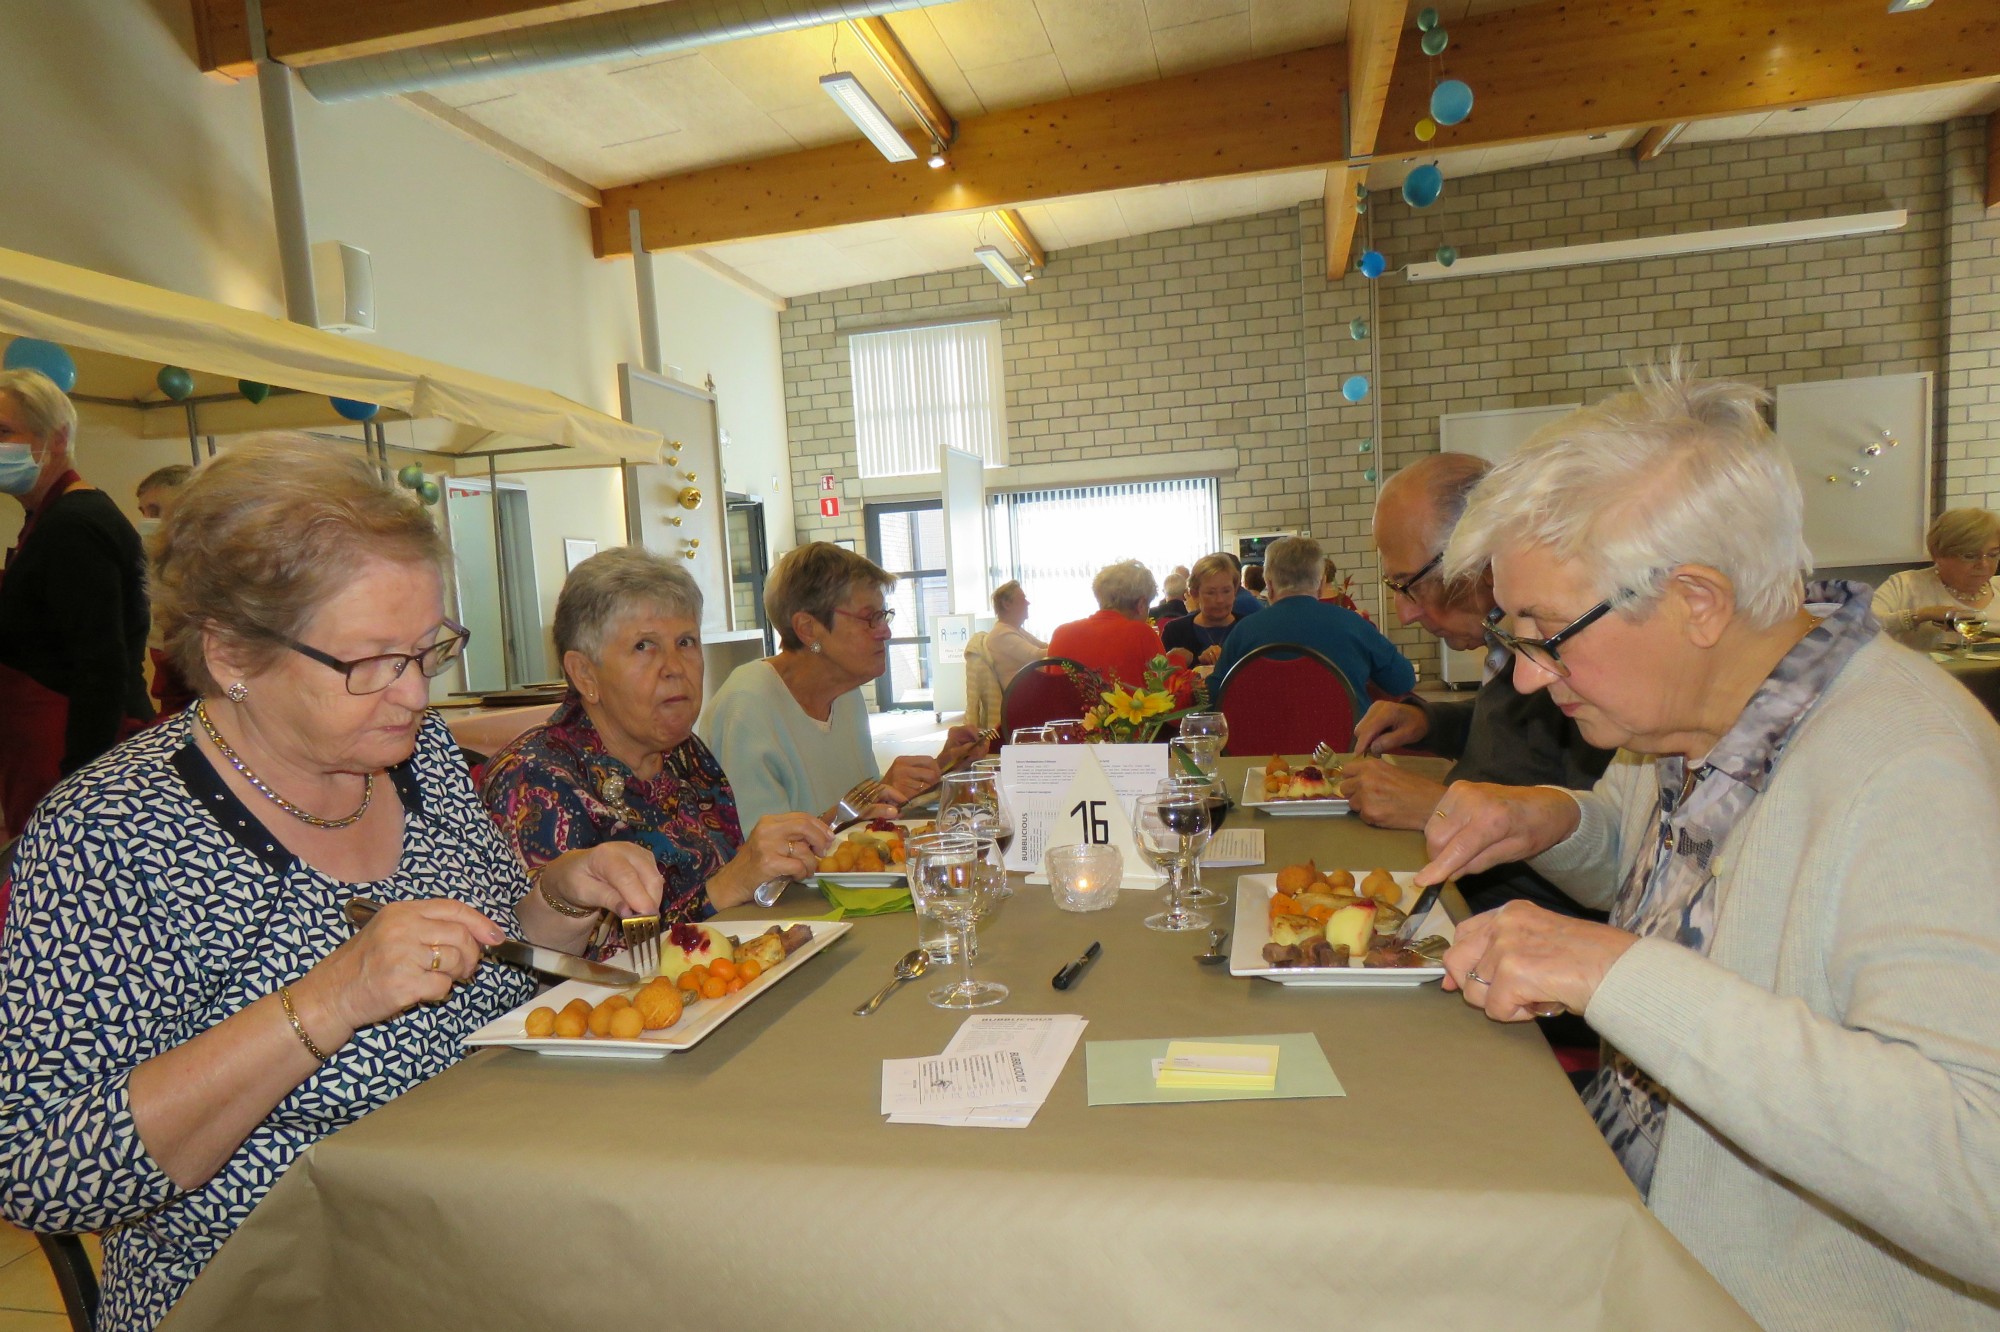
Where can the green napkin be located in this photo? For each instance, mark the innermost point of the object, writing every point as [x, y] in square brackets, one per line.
[863, 901]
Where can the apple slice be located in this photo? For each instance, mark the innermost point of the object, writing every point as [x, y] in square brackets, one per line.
[1352, 928]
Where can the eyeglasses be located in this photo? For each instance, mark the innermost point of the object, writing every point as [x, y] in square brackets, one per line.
[371, 675]
[1542, 651]
[1401, 586]
[870, 620]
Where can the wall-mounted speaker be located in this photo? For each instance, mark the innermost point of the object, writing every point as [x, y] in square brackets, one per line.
[344, 287]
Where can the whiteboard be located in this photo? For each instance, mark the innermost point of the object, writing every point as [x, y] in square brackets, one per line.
[1493, 435]
[1861, 507]
[964, 529]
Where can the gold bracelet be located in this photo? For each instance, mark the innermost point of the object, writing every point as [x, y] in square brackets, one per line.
[298, 1027]
[561, 904]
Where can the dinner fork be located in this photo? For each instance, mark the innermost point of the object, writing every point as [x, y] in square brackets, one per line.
[847, 811]
[642, 942]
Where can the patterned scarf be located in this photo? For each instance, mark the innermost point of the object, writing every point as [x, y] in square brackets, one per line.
[1666, 892]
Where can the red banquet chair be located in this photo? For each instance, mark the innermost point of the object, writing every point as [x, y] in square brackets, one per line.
[1284, 698]
[1038, 694]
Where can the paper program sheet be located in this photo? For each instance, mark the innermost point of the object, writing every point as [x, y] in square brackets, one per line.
[1045, 1042]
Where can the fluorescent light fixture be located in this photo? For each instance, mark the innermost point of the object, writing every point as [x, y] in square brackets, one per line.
[998, 265]
[1905, 6]
[848, 94]
[1661, 247]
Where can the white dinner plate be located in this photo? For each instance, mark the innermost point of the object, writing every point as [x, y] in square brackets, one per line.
[698, 1019]
[1253, 931]
[884, 879]
[1254, 798]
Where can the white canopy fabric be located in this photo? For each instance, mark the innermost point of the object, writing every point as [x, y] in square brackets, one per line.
[80, 309]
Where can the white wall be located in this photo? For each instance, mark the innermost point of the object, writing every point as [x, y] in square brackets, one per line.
[588, 502]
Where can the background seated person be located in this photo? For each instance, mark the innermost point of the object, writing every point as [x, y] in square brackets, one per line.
[1254, 584]
[1009, 645]
[1500, 734]
[620, 761]
[792, 730]
[1118, 640]
[155, 495]
[1173, 603]
[1915, 606]
[1213, 587]
[1297, 615]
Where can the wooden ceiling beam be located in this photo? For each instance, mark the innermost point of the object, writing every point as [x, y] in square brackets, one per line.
[1552, 70]
[1017, 227]
[1341, 219]
[1374, 32]
[1656, 140]
[901, 70]
[1278, 113]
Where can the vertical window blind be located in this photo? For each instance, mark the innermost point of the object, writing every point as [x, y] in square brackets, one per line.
[1055, 541]
[919, 388]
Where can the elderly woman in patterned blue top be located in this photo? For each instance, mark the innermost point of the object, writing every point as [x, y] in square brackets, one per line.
[183, 1009]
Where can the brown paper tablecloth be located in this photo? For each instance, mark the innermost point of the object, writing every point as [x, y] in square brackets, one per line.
[751, 1182]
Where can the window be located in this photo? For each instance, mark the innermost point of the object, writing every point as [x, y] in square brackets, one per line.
[918, 388]
[1055, 541]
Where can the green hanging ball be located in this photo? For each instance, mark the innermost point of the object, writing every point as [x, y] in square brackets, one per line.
[1435, 41]
[1447, 255]
[429, 490]
[1426, 19]
[252, 390]
[175, 382]
[1368, 475]
[1360, 189]
[1357, 329]
[1360, 206]
[411, 477]
[1365, 446]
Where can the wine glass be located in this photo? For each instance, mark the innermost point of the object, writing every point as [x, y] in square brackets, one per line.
[970, 802]
[1207, 723]
[950, 884]
[1005, 832]
[1030, 735]
[1210, 792]
[1067, 731]
[1190, 754]
[1170, 831]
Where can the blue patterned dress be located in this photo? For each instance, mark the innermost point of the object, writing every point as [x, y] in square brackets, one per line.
[149, 905]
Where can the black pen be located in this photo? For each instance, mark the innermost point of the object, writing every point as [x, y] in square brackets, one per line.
[1067, 976]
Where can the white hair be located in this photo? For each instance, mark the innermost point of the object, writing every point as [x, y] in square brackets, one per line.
[1123, 585]
[1675, 471]
[48, 410]
[1294, 565]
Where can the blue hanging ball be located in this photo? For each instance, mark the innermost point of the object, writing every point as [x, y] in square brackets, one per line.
[47, 357]
[1423, 185]
[1355, 389]
[1451, 101]
[1369, 476]
[1426, 19]
[354, 411]
[1373, 265]
[1435, 41]
[1357, 328]
[1447, 255]
[175, 382]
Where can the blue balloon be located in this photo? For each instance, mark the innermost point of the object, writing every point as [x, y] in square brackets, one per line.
[1451, 102]
[1423, 185]
[354, 411]
[1373, 265]
[1355, 389]
[51, 360]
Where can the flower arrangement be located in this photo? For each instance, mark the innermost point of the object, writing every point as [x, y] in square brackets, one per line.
[1136, 716]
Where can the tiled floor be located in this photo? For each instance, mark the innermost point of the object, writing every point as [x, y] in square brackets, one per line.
[28, 1298]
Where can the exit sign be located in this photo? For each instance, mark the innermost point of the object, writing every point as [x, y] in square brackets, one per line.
[830, 507]
[828, 482]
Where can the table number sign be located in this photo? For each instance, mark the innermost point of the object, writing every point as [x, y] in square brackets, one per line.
[1083, 794]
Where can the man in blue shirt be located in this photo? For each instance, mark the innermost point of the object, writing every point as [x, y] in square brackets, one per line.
[1294, 568]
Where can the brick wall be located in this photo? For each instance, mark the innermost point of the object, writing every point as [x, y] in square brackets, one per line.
[1226, 335]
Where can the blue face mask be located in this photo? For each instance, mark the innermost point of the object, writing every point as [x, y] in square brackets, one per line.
[18, 469]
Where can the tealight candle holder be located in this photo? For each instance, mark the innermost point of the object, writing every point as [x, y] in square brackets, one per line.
[1084, 878]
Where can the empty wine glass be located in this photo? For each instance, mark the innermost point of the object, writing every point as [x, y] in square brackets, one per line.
[970, 802]
[1207, 723]
[1170, 831]
[949, 883]
[1068, 731]
[1030, 735]
[1211, 793]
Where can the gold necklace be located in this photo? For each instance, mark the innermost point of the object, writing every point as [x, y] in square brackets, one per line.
[367, 781]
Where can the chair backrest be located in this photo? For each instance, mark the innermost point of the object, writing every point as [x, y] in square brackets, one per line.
[1038, 694]
[75, 1278]
[1284, 698]
[982, 684]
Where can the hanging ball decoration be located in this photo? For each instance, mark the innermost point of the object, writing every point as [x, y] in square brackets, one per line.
[1435, 41]
[175, 382]
[1355, 389]
[1373, 265]
[1357, 328]
[252, 390]
[1365, 446]
[1427, 129]
[47, 357]
[411, 477]
[1360, 206]
[429, 491]
[1447, 255]
[1423, 185]
[1369, 476]
[1361, 189]
[1451, 101]
[354, 411]
[1426, 19]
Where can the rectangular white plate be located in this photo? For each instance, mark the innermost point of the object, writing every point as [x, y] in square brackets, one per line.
[1253, 931]
[697, 1020]
[885, 879]
[1254, 798]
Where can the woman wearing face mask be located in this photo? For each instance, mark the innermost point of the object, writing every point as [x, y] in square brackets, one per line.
[72, 605]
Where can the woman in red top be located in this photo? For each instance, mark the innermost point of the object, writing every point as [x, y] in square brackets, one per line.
[1119, 640]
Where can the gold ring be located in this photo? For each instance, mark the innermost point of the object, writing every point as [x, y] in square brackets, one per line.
[1437, 814]
[437, 958]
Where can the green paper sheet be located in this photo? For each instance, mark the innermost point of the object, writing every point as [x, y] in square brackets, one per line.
[852, 902]
[1121, 1072]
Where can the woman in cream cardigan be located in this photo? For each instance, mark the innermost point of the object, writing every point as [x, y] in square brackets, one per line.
[1799, 999]
[1917, 607]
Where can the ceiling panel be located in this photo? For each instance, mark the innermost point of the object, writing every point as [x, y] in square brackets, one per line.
[1103, 45]
[1277, 26]
[1203, 44]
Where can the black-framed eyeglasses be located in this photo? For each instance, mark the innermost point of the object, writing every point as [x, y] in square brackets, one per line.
[1542, 651]
[371, 675]
[1401, 586]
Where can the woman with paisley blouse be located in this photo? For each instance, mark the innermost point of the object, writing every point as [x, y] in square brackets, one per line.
[183, 1006]
[619, 761]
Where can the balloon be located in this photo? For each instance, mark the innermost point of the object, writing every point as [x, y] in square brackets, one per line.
[1427, 129]
[175, 382]
[411, 477]
[1423, 185]
[1435, 41]
[1360, 206]
[1357, 328]
[1426, 19]
[429, 491]
[1369, 475]
[252, 390]
[1372, 264]
[1365, 446]
[47, 357]
[1355, 389]
[354, 411]
[1451, 102]
[1447, 255]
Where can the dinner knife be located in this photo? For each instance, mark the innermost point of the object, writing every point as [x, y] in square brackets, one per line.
[1418, 912]
[518, 953]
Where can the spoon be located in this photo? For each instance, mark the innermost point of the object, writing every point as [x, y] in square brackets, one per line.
[912, 965]
[1214, 954]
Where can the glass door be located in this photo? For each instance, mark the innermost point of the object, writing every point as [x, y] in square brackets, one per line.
[749, 566]
[908, 541]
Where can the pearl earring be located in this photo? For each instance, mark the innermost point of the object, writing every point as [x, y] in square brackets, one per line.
[237, 692]
[816, 647]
